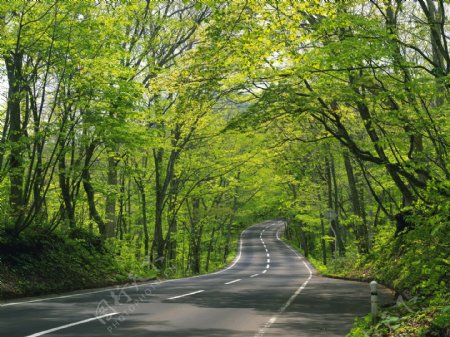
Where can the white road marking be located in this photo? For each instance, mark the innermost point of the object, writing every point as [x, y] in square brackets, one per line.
[274, 318]
[236, 260]
[268, 260]
[268, 255]
[71, 324]
[264, 271]
[268, 266]
[254, 275]
[184, 295]
[234, 281]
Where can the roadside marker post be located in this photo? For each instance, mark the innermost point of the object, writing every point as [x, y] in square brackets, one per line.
[374, 300]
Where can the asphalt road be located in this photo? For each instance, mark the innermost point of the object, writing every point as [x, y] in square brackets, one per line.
[268, 291]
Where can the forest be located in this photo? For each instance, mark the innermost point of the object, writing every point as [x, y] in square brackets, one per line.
[141, 137]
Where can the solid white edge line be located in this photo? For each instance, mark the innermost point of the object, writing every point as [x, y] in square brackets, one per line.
[274, 318]
[184, 295]
[37, 334]
[234, 281]
[254, 275]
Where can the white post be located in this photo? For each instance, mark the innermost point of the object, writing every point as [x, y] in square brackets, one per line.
[374, 300]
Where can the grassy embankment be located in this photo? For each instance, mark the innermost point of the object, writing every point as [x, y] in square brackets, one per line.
[40, 264]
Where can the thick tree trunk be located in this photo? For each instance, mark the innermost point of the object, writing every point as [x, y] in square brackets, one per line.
[195, 237]
[158, 240]
[141, 189]
[210, 248]
[322, 231]
[16, 166]
[121, 222]
[162, 184]
[90, 193]
[64, 185]
[172, 211]
[357, 208]
[230, 222]
[144, 223]
[110, 206]
[339, 246]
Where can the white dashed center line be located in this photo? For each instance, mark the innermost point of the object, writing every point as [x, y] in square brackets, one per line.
[267, 253]
[234, 281]
[179, 296]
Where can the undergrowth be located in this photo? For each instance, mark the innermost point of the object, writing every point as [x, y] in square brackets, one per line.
[47, 263]
[415, 264]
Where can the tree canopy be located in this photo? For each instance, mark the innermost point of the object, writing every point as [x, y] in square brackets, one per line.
[163, 128]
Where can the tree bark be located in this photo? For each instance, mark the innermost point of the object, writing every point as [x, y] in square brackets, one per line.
[110, 206]
[14, 63]
[339, 246]
[361, 226]
[90, 193]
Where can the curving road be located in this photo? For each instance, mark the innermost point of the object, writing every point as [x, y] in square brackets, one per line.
[268, 291]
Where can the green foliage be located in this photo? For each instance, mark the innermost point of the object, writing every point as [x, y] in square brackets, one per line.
[417, 258]
[424, 318]
[139, 138]
[41, 263]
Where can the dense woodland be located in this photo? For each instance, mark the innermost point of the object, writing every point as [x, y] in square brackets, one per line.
[153, 132]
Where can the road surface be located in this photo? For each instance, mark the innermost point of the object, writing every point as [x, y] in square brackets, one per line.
[269, 290]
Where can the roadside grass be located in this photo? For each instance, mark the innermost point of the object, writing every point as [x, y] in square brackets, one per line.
[413, 318]
[39, 264]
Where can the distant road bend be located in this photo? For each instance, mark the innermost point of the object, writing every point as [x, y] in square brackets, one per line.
[269, 290]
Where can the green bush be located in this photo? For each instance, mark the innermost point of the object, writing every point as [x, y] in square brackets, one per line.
[41, 263]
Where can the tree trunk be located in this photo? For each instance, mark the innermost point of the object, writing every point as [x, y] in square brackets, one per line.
[144, 222]
[158, 240]
[339, 246]
[361, 226]
[322, 229]
[210, 248]
[110, 206]
[195, 237]
[90, 193]
[64, 185]
[16, 168]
